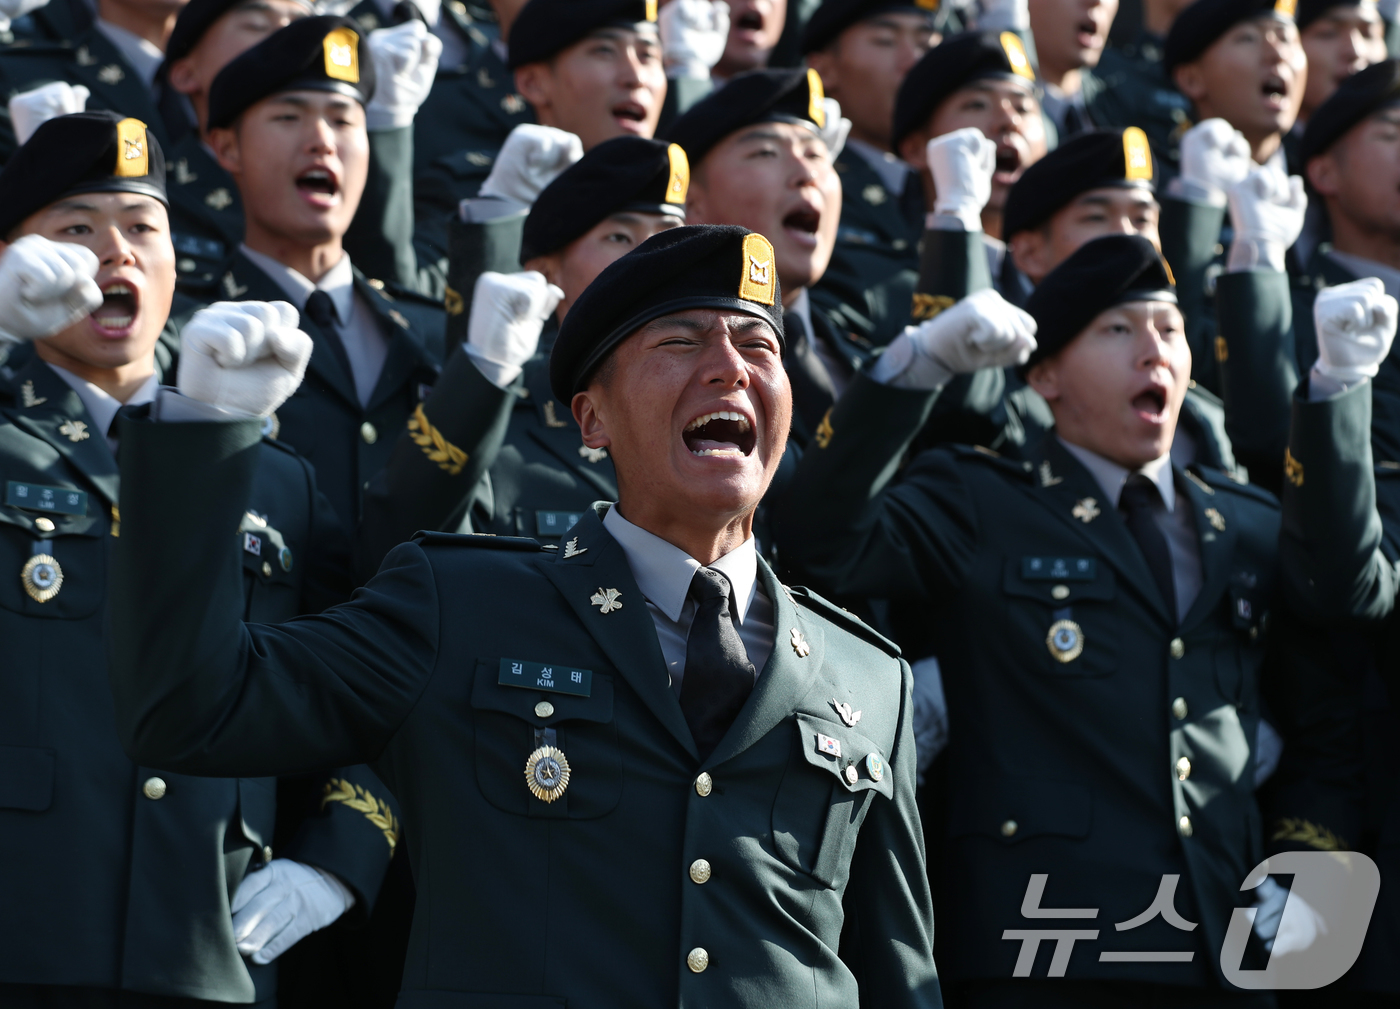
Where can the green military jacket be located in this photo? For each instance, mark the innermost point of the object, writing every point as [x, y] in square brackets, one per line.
[128, 868]
[1133, 90]
[654, 878]
[1092, 738]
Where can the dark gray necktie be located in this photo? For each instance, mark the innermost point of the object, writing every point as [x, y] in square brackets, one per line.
[321, 310]
[1137, 502]
[718, 674]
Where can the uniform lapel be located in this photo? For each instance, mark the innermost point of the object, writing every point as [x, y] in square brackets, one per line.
[1214, 516]
[58, 417]
[783, 681]
[558, 435]
[408, 352]
[598, 568]
[867, 206]
[113, 83]
[204, 191]
[1072, 494]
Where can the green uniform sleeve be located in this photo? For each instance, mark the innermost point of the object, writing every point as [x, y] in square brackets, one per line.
[952, 265]
[198, 691]
[1190, 234]
[381, 237]
[1258, 369]
[1330, 544]
[849, 535]
[476, 247]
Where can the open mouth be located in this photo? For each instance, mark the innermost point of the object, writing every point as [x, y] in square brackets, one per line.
[721, 433]
[1008, 161]
[749, 21]
[118, 309]
[318, 183]
[802, 224]
[1151, 404]
[629, 112]
[1275, 91]
[1086, 34]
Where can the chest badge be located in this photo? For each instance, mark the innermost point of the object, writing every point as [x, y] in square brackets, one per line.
[875, 767]
[42, 577]
[547, 773]
[844, 711]
[571, 549]
[799, 644]
[1216, 520]
[1065, 640]
[607, 600]
[74, 430]
[1086, 509]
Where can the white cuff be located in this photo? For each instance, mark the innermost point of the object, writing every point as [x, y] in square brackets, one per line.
[952, 222]
[480, 209]
[1322, 386]
[172, 407]
[693, 68]
[1196, 192]
[380, 118]
[343, 891]
[1248, 253]
[498, 374]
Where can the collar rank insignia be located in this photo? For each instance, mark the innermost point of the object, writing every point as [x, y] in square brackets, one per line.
[219, 199]
[571, 549]
[1217, 521]
[593, 455]
[1047, 478]
[873, 194]
[183, 175]
[1086, 509]
[847, 715]
[607, 600]
[74, 430]
[26, 394]
[111, 74]
[547, 773]
[799, 644]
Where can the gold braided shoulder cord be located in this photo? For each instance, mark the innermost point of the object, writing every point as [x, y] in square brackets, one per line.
[1306, 832]
[437, 448]
[376, 811]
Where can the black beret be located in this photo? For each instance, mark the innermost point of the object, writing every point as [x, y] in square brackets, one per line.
[702, 266]
[835, 16]
[1099, 275]
[1198, 27]
[952, 64]
[545, 27]
[1310, 10]
[1099, 159]
[624, 173]
[197, 17]
[313, 54]
[87, 152]
[759, 96]
[1357, 97]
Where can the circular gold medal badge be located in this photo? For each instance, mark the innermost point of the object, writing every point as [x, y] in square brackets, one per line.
[42, 577]
[547, 773]
[1065, 640]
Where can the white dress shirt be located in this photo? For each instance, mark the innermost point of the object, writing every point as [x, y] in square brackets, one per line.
[664, 573]
[1176, 524]
[837, 370]
[364, 342]
[101, 406]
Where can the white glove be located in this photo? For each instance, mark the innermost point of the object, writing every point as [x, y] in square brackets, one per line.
[962, 164]
[45, 287]
[837, 128]
[529, 160]
[1267, 210]
[508, 312]
[1355, 325]
[31, 109]
[981, 331]
[11, 10]
[1214, 156]
[1284, 933]
[277, 906]
[1004, 15]
[405, 63]
[246, 357]
[693, 36]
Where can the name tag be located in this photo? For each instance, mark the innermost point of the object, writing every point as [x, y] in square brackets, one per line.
[36, 497]
[539, 676]
[549, 523]
[1058, 569]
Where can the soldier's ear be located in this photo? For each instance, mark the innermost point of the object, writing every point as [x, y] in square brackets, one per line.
[1324, 174]
[227, 150]
[586, 410]
[183, 78]
[1190, 81]
[913, 149]
[1030, 251]
[534, 82]
[1044, 378]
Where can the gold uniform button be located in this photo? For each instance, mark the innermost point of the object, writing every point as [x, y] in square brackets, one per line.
[44, 525]
[544, 709]
[852, 775]
[1178, 648]
[267, 853]
[154, 788]
[700, 871]
[1183, 769]
[1184, 825]
[1009, 828]
[1179, 707]
[1059, 592]
[368, 433]
[704, 785]
[698, 959]
[267, 570]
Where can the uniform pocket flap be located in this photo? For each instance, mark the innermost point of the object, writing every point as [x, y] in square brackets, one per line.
[840, 749]
[1058, 580]
[540, 706]
[26, 777]
[1014, 809]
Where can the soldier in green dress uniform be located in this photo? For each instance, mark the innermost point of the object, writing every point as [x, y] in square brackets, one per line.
[635, 771]
[1102, 759]
[142, 887]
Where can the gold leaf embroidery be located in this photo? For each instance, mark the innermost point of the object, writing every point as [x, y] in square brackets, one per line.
[1292, 469]
[437, 448]
[376, 811]
[1306, 832]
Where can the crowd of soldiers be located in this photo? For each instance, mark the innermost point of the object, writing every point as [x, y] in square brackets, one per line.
[527, 503]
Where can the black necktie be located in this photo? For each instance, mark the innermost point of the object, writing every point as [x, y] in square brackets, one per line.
[718, 673]
[812, 391]
[321, 310]
[1140, 496]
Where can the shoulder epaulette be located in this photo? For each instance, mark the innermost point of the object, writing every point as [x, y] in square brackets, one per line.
[488, 541]
[845, 619]
[395, 291]
[981, 453]
[1210, 480]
